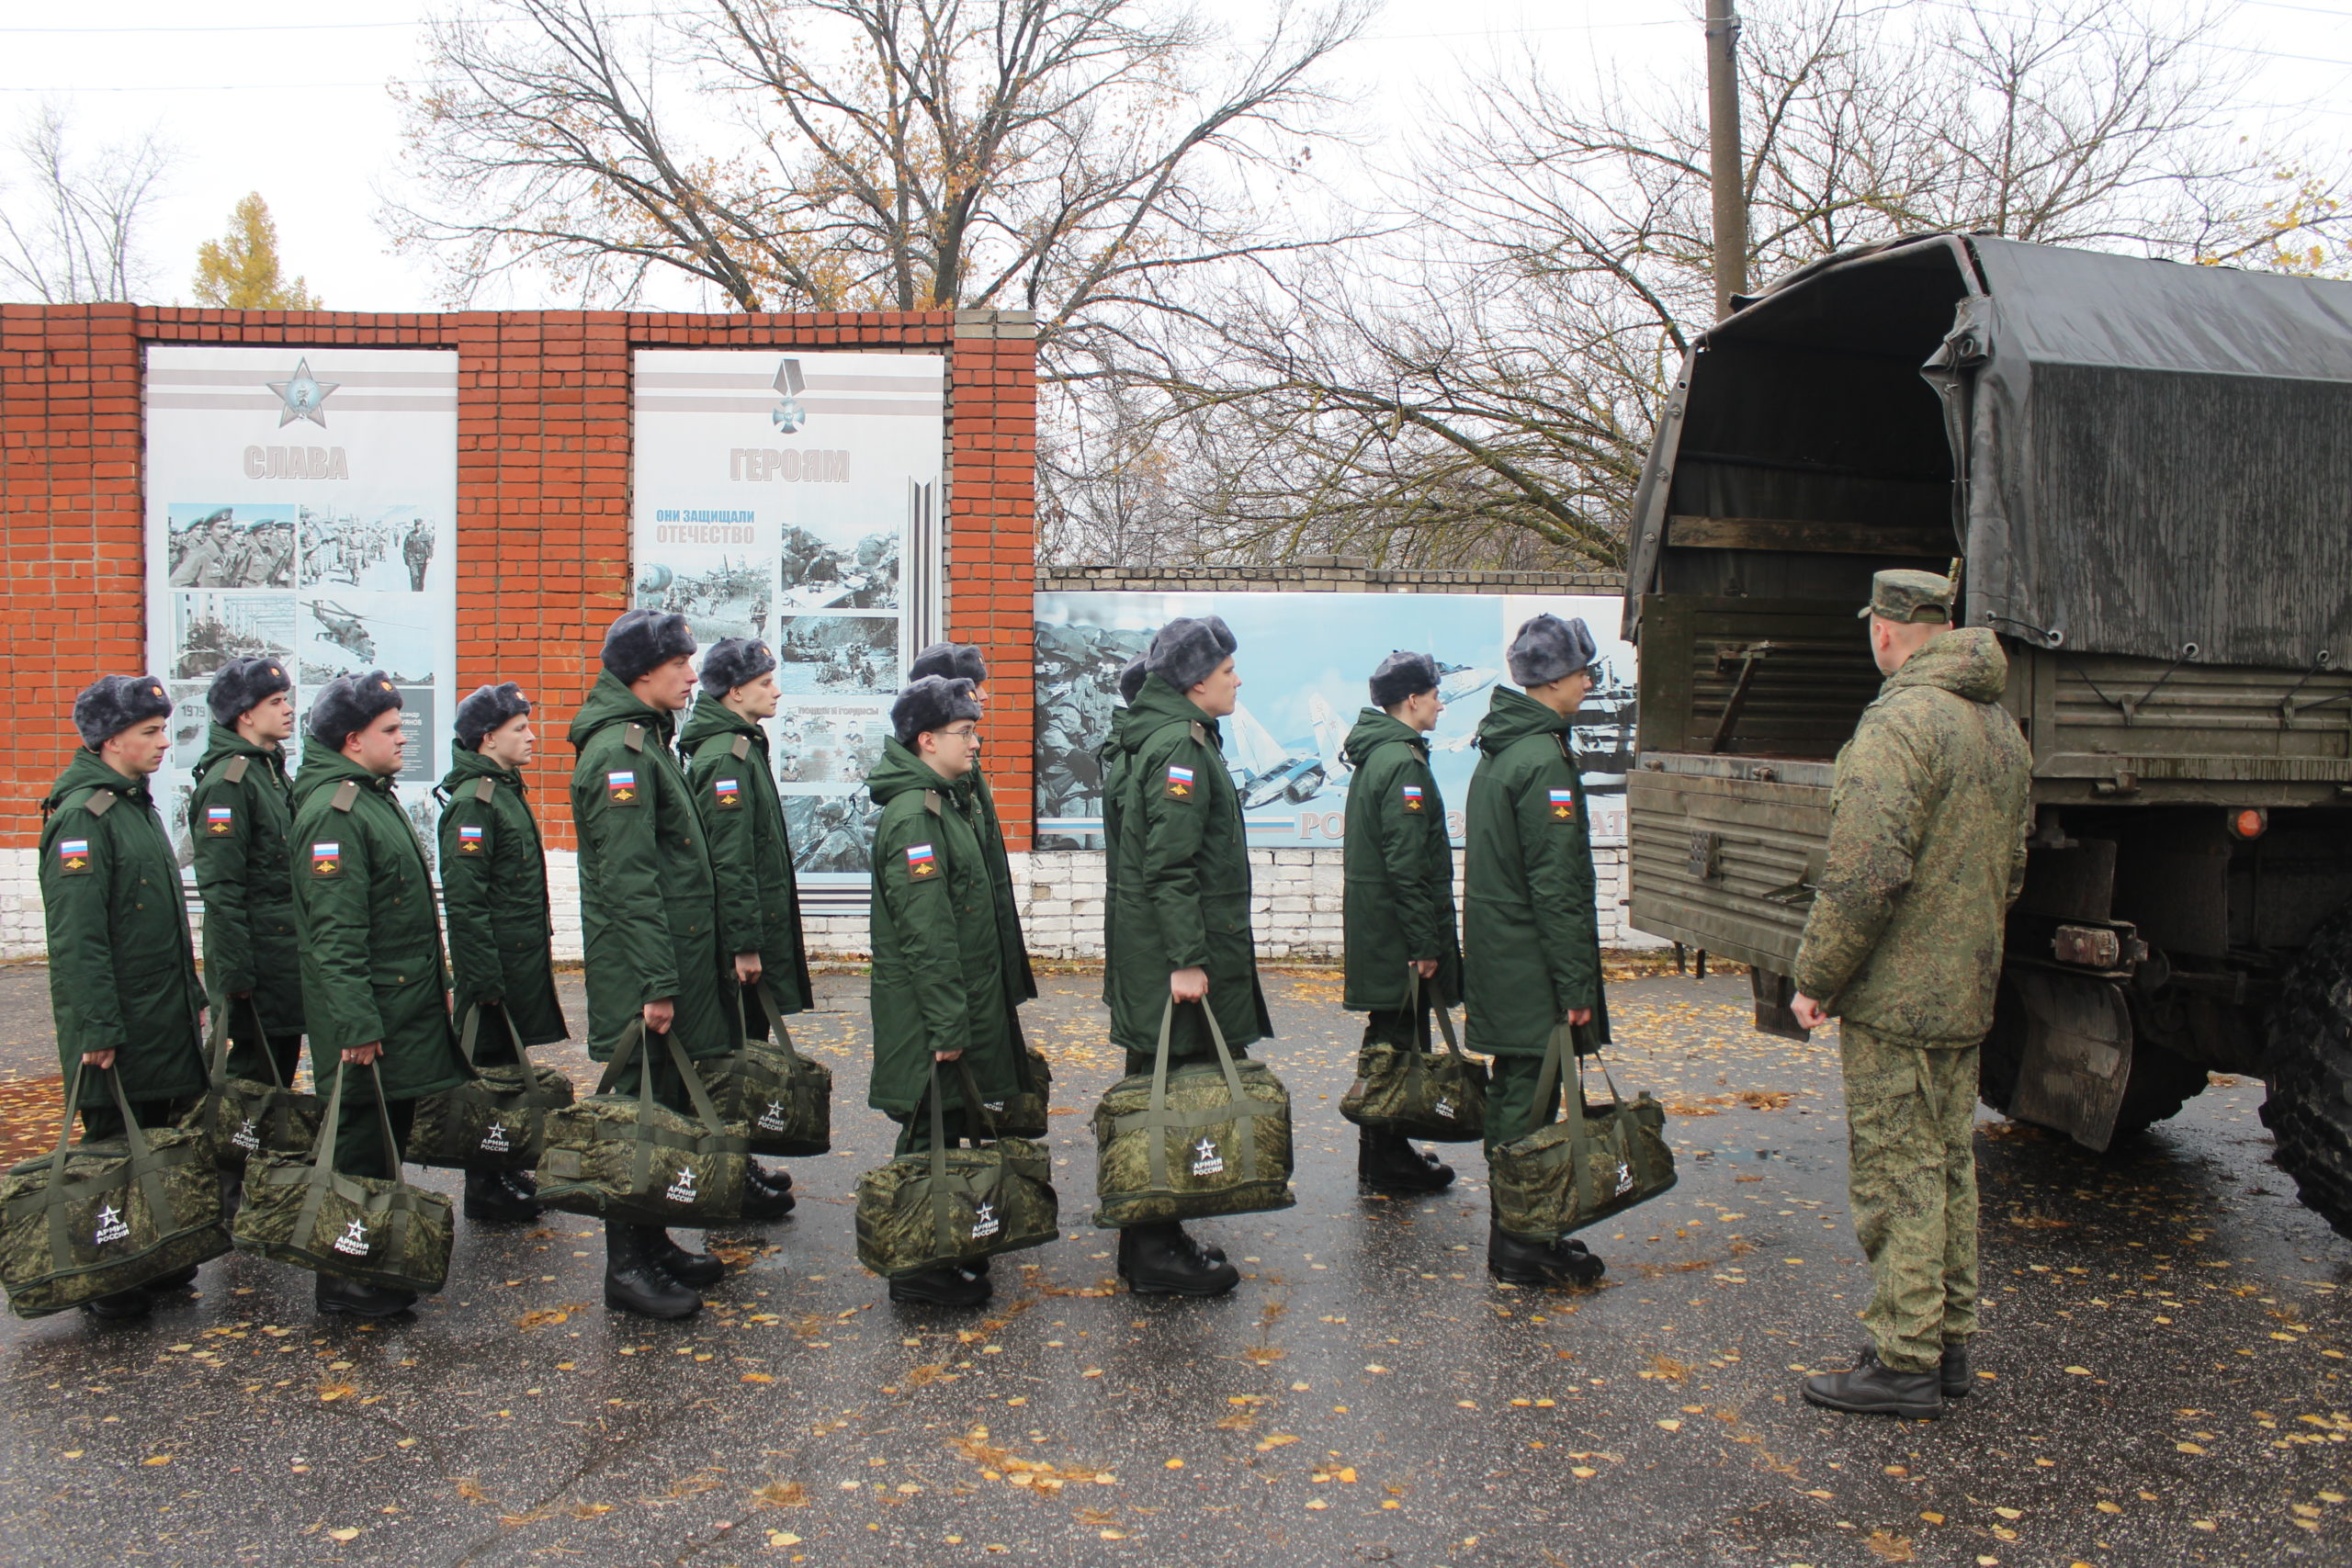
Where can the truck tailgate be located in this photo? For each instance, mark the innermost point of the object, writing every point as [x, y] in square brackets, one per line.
[1712, 837]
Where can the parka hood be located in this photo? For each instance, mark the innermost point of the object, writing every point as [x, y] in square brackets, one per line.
[465, 765]
[710, 716]
[609, 702]
[1157, 704]
[89, 769]
[324, 768]
[1513, 715]
[1376, 727]
[900, 770]
[220, 742]
[1968, 664]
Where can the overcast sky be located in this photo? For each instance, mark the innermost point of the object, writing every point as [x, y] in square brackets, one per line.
[290, 97]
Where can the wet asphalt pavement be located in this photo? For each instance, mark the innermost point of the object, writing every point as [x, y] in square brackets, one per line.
[2164, 1350]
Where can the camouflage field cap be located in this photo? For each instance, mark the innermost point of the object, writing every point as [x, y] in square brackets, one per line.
[1909, 596]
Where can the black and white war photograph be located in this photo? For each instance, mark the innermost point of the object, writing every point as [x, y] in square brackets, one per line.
[389, 549]
[229, 546]
[837, 655]
[844, 570]
[831, 831]
[829, 743]
[353, 633]
[210, 629]
[727, 597]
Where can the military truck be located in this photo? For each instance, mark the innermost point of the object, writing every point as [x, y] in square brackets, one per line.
[2142, 472]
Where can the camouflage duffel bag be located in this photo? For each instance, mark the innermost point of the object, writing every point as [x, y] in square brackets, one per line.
[783, 1099]
[1440, 1096]
[629, 1158]
[1208, 1138]
[941, 1206]
[86, 1220]
[1022, 1114]
[497, 1119]
[244, 1117]
[379, 1230]
[1589, 1165]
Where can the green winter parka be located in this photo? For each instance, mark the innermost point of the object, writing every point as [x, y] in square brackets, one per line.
[939, 981]
[1400, 869]
[238, 820]
[751, 852]
[1180, 878]
[121, 968]
[1531, 937]
[1111, 761]
[1929, 817]
[372, 965]
[494, 891]
[648, 901]
[1017, 972]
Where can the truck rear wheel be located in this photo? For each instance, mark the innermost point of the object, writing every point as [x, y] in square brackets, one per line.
[2161, 1082]
[2309, 1109]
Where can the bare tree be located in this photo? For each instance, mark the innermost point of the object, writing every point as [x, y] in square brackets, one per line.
[69, 229]
[1065, 156]
[1486, 397]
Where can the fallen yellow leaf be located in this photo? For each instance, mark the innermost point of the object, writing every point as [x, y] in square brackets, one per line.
[2189, 1448]
[347, 1533]
[2078, 1372]
[157, 1459]
[757, 1377]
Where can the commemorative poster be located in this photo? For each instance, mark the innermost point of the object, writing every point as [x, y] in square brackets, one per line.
[1305, 662]
[794, 497]
[301, 504]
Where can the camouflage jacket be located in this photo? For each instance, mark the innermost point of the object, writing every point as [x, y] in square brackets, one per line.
[1928, 822]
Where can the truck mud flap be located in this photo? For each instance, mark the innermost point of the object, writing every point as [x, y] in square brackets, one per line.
[2077, 1057]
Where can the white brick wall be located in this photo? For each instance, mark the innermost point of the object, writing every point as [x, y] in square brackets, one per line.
[1296, 907]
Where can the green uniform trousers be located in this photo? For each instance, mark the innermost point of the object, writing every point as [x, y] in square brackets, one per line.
[1140, 1061]
[101, 1122]
[1395, 1026]
[1910, 1117]
[359, 1138]
[247, 1042]
[914, 1132]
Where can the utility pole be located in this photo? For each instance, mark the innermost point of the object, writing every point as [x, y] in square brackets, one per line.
[1725, 168]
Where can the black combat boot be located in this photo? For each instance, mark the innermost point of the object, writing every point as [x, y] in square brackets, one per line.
[1872, 1389]
[946, 1286]
[120, 1306]
[1388, 1162]
[694, 1270]
[777, 1179]
[1955, 1372]
[359, 1299]
[763, 1204]
[635, 1283]
[1163, 1261]
[177, 1280]
[490, 1201]
[1125, 1265]
[1519, 1261]
[523, 1183]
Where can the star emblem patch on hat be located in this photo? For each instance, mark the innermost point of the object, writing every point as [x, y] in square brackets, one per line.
[621, 787]
[1179, 781]
[920, 861]
[1564, 805]
[219, 819]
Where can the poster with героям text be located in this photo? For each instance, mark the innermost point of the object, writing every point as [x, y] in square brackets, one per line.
[795, 497]
[302, 505]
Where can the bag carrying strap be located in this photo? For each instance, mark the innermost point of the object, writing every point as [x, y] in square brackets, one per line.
[55, 1194]
[324, 1178]
[944, 1182]
[513, 1033]
[216, 1048]
[777, 1031]
[632, 1041]
[1548, 1096]
[1157, 1116]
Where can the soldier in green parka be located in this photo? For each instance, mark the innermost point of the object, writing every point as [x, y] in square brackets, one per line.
[648, 912]
[494, 893]
[122, 986]
[1530, 936]
[374, 985]
[1111, 762]
[725, 749]
[1177, 925]
[239, 816]
[965, 662]
[1399, 917]
[1928, 816]
[940, 992]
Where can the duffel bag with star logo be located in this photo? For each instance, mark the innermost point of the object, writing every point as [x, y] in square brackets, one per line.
[630, 1158]
[244, 1117]
[783, 1099]
[1589, 1165]
[1206, 1138]
[1419, 1093]
[497, 1119]
[942, 1205]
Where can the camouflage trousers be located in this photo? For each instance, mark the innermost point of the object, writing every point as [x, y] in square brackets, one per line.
[1910, 1114]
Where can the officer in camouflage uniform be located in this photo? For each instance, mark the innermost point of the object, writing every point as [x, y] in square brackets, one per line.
[494, 888]
[1927, 825]
[239, 817]
[1399, 903]
[375, 984]
[122, 983]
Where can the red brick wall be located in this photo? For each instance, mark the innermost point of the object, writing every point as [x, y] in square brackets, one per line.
[543, 500]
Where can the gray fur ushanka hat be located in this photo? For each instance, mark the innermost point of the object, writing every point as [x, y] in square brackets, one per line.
[1548, 648]
[733, 660]
[955, 661]
[349, 704]
[1187, 650]
[642, 641]
[932, 702]
[244, 684]
[1402, 675]
[1131, 679]
[487, 708]
[112, 704]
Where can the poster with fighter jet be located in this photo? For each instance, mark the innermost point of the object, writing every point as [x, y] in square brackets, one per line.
[1305, 662]
[302, 505]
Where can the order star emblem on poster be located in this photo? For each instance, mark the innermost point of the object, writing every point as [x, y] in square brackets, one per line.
[303, 395]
